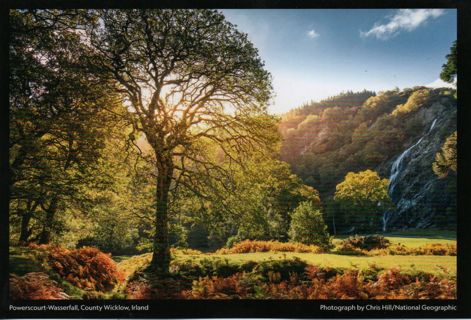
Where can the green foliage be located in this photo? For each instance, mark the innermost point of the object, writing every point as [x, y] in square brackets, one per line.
[295, 117]
[363, 136]
[446, 159]
[363, 198]
[308, 226]
[210, 267]
[202, 81]
[60, 121]
[103, 153]
[449, 69]
[257, 206]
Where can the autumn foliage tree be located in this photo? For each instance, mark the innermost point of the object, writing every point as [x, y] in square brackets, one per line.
[446, 160]
[188, 76]
[363, 198]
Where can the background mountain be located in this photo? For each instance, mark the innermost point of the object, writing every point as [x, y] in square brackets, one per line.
[396, 133]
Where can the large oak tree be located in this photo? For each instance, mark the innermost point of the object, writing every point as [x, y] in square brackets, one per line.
[188, 77]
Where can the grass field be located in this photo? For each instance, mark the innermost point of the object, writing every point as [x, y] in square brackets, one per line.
[432, 264]
[426, 263]
[415, 238]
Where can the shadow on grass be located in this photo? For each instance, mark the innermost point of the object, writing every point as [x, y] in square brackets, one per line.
[22, 261]
[413, 233]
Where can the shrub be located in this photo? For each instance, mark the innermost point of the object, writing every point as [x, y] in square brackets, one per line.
[346, 286]
[367, 242]
[436, 249]
[322, 273]
[231, 241]
[185, 251]
[249, 246]
[349, 250]
[138, 290]
[209, 267]
[237, 286]
[86, 268]
[35, 286]
[292, 279]
[433, 289]
[393, 279]
[307, 226]
[279, 270]
[145, 287]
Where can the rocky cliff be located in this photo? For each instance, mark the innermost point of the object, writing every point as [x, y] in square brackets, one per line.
[422, 199]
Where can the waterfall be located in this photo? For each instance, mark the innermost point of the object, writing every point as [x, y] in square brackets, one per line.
[396, 168]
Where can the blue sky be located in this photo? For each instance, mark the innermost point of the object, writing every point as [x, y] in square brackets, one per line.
[316, 53]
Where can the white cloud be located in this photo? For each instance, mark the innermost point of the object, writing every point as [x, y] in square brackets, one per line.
[312, 34]
[403, 20]
[439, 83]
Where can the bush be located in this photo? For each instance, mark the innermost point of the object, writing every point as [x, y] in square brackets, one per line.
[369, 242]
[308, 226]
[250, 246]
[233, 287]
[390, 284]
[436, 249]
[209, 267]
[322, 273]
[185, 251]
[85, 268]
[138, 290]
[279, 270]
[287, 279]
[231, 241]
[35, 286]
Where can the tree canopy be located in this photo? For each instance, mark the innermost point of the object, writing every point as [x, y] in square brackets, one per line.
[449, 69]
[363, 198]
[58, 120]
[308, 226]
[188, 76]
[446, 159]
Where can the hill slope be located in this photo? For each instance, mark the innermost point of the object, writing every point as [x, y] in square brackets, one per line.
[397, 133]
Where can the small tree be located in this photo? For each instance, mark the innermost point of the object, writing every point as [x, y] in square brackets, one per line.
[446, 158]
[308, 226]
[363, 198]
[449, 69]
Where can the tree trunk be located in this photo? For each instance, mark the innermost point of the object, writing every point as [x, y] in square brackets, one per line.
[333, 224]
[161, 257]
[27, 214]
[45, 236]
[25, 231]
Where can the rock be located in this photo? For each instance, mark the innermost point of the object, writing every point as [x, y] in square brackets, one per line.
[422, 199]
